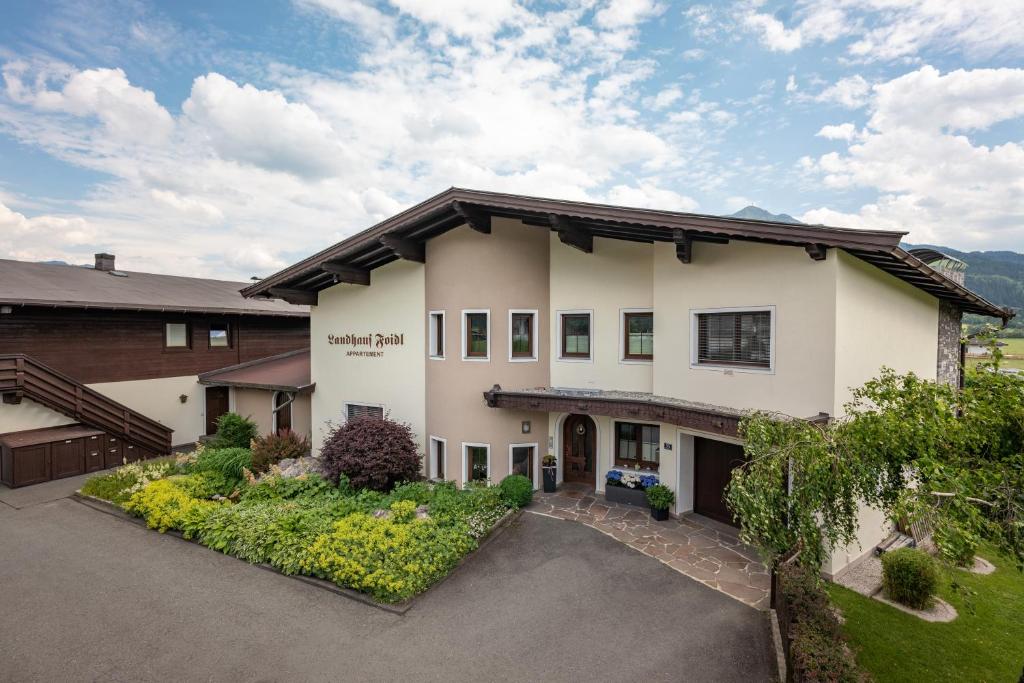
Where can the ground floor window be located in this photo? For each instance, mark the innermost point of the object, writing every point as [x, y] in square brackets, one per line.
[437, 454]
[522, 460]
[282, 411]
[357, 410]
[637, 444]
[477, 461]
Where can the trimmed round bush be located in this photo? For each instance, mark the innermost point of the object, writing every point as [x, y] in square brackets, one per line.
[233, 431]
[910, 577]
[372, 452]
[516, 490]
[273, 448]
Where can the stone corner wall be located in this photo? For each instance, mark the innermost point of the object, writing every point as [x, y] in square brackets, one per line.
[948, 369]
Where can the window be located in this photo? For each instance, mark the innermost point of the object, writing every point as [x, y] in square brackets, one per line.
[638, 335]
[476, 461]
[436, 335]
[522, 327]
[735, 338]
[354, 411]
[437, 453]
[575, 337]
[282, 411]
[476, 331]
[637, 444]
[220, 336]
[176, 336]
[521, 458]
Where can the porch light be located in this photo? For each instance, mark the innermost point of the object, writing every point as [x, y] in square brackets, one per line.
[526, 426]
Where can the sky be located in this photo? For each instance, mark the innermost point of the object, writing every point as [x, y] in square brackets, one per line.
[231, 139]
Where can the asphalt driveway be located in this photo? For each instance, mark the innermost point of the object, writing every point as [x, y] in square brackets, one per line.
[87, 596]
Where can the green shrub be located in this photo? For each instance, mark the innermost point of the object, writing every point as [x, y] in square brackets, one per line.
[310, 487]
[418, 492]
[118, 485]
[478, 506]
[660, 497]
[164, 505]
[910, 577]
[233, 431]
[818, 653]
[228, 461]
[273, 448]
[516, 490]
[207, 484]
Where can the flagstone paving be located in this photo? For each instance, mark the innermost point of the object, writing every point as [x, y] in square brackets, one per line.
[700, 548]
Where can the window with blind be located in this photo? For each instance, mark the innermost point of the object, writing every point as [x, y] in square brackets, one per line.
[637, 444]
[521, 325]
[575, 335]
[476, 327]
[638, 329]
[355, 411]
[740, 338]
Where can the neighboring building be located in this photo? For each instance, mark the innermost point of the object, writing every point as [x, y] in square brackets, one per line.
[140, 339]
[981, 348]
[503, 327]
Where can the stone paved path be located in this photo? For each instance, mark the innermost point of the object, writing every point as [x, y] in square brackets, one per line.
[700, 548]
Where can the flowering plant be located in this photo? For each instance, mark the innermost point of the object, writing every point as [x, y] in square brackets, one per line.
[631, 480]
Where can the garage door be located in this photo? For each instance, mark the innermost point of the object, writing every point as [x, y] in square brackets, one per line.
[713, 464]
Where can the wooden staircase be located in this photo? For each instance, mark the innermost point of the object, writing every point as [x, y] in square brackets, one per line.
[22, 376]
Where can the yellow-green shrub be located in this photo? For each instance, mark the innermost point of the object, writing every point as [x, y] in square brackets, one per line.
[164, 505]
[391, 558]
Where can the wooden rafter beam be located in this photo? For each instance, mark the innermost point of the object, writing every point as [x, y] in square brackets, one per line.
[818, 252]
[475, 218]
[347, 274]
[684, 245]
[405, 249]
[571, 234]
[300, 297]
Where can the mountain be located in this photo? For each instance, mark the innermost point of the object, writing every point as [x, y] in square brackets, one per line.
[758, 214]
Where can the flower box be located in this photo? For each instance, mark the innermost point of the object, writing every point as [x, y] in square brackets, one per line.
[626, 496]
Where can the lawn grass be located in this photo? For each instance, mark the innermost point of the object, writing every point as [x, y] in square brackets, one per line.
[1009, 363]
[986, 645]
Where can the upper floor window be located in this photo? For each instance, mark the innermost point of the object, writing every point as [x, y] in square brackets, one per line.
[220, 336]
[638, 335]
[637, 444]
[575, 335]
[354, 411]
[734, 338]
[176, 336]
[436, 334]
[476, 329]
[522, 335]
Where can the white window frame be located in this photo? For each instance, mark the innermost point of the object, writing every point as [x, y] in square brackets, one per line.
[694, 346]
[464, 340]
[466, 445]
[432, 335]
[536, 460]
[432, 465]
[622, 336]
[558, 344]
[534, 336]
[346, 404]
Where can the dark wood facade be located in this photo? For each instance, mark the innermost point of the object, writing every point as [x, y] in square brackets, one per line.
[93, 345]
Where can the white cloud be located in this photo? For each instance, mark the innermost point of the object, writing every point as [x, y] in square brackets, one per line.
[45, 237]
[624, 13]
[773, 33]
[931, 178]
[694, 54]
[648, 196]
[843, 131]
[791, 85]
[850, 92]
[461, 17]
[666, 98]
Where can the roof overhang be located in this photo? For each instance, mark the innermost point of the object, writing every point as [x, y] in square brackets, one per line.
[402, 237]
[149, 308]
[266, 373]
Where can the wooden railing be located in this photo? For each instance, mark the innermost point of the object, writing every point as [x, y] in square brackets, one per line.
[23, 376]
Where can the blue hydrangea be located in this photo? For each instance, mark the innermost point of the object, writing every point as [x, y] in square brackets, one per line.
[613, 476]
[648, 480]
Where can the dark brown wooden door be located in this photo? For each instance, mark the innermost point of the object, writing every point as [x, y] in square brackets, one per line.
[216, 405]
[714, 462]
[93, 453]
[579, 450]
[112, 453]
[31, 464]
[67, 458]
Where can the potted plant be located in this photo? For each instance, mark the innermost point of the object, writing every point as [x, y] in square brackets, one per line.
[549, 466]
[627, 487]
[660, 498]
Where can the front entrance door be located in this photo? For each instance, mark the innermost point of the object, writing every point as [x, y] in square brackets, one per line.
[713, 463]
[216, 405]
[579, 450]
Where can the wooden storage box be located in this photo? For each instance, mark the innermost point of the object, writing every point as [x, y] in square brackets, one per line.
[37, 455]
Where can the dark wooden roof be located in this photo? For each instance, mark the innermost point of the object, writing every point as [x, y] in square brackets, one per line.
[60, 286]
[283, 372]
[403, 236]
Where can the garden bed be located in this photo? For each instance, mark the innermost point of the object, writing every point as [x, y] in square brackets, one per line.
[380, 548]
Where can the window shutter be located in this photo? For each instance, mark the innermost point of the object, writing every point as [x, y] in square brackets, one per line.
[741, 338]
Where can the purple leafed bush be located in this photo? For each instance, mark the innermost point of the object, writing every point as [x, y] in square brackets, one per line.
[374, 453]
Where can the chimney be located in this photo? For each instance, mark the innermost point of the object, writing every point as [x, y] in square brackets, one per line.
[105, 262]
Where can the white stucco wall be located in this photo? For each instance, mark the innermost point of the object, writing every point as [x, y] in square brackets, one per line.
[744, 275]
[258, 404]
[616, 276]
[29, 415]
[159, 399]
[392, 304]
